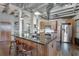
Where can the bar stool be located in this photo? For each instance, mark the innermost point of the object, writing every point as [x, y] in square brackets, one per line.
[12, 46]
[22, 48]
[18, 47]
[26, 50]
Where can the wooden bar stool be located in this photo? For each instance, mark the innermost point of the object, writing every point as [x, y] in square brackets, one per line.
[18, 47]
[27, 50]
[24, 48]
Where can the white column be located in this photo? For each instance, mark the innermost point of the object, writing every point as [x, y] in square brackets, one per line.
[37, 22]
[31, 20]
[20, 23]
[12, 32]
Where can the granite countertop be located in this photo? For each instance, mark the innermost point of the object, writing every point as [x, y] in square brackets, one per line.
[35, 40]
[30, 39]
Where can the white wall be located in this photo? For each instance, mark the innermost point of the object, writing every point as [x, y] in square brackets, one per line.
[6, 17]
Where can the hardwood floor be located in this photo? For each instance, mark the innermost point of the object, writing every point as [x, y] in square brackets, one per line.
[63, 49]
[67, 49]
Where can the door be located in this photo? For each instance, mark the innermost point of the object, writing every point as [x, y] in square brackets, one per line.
[5, 37]
[66, 32]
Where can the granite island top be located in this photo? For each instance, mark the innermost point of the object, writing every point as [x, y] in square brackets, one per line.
[35, 40]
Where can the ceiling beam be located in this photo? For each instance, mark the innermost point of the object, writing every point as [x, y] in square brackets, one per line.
[41, 6]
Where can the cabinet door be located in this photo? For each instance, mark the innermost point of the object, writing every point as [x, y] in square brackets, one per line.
[5, 38]
[5, 43]
[42, 25]
[42, 32]
[52, 49]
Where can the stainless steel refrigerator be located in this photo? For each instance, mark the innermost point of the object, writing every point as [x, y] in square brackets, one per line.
[66, 32]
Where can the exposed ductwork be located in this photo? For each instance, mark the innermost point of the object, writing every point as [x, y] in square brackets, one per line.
[65, 11]
[49, 7]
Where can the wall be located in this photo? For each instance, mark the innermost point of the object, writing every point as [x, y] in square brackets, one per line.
[6, 17]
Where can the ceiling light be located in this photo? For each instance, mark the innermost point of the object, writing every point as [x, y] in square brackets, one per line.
[37, 13]
[66, 5]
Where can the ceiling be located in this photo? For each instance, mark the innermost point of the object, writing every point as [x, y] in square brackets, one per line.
[41, 7]
[54, 9]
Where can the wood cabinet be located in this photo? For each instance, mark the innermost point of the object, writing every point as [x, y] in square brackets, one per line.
[45, 23]
[72, 22]
[5, 38]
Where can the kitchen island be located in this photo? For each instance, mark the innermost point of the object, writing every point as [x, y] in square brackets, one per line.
[35, 47]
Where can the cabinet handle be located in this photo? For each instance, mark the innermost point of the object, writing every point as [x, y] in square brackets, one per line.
[52, 45]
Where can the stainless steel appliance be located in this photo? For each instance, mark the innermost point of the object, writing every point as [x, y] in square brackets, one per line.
[66, 32]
